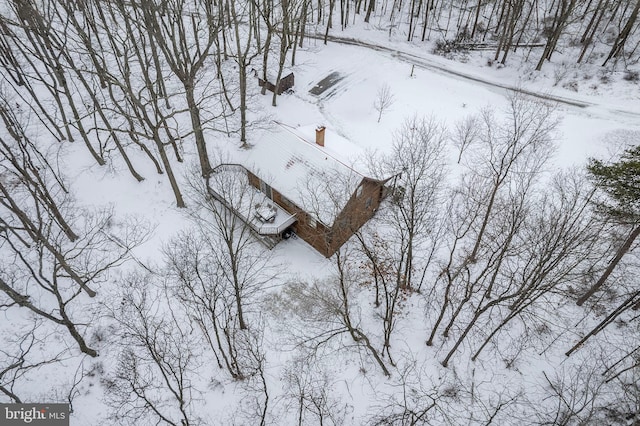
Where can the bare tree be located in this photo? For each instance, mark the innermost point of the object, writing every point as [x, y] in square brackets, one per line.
[329, 311]
[417, 165]
[466, 132]
[497, 194]
[100, 122]
[621, 378]
[523, 140]
[256, 385]
[243, 31]
[488, 215]
[185, 33]
[383, 101]
[564, 13]
[598, 13]
[218, 269]
[411, 402]
[45, 51]
[52, 251]
[206, 296]
[141, 101]
[480, 288]
[21, 360]
[153, 381]
[219, 204]
[560, 243]
[310, 394]
[270, 20]
[400, 243]
[619, 43]
[290, 11]
[576, 392]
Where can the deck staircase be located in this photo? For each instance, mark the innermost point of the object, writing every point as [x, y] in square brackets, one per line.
[269, 241]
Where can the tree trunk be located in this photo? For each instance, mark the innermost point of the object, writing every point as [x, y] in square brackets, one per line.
[372, 4]
[201, 144]
[614, 262]
[476, 19]
[565, 8]
[332, 4]
[35, 232]
[593, 26]
[167, 166]
[284, 47]
[629, 303]
[618, 45]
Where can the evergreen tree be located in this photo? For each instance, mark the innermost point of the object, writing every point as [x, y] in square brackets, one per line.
[621, 183]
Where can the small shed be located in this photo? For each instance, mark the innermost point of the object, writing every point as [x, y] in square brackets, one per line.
[286, 83]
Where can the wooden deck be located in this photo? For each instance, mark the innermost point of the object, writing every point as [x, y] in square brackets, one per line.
[248, 204]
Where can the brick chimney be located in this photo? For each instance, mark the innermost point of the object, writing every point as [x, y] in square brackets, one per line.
[320, 135]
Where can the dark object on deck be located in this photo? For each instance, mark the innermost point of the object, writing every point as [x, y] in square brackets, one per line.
[286, 83]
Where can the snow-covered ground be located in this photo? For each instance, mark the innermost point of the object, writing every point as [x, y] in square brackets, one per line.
[592, 122]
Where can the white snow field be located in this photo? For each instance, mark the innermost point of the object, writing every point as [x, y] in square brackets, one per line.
[509, 383]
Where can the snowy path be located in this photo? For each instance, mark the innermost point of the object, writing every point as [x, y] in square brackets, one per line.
[435, 66]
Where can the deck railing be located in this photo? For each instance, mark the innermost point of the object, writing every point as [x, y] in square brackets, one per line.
[229, 167]
[261, 229]
[268, 229]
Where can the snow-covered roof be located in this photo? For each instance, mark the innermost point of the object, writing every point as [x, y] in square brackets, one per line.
[319, 179]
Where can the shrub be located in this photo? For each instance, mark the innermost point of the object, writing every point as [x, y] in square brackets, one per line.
[632, 75]
[449, 46]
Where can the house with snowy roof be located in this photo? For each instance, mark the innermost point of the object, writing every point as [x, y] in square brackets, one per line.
[305, 181]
